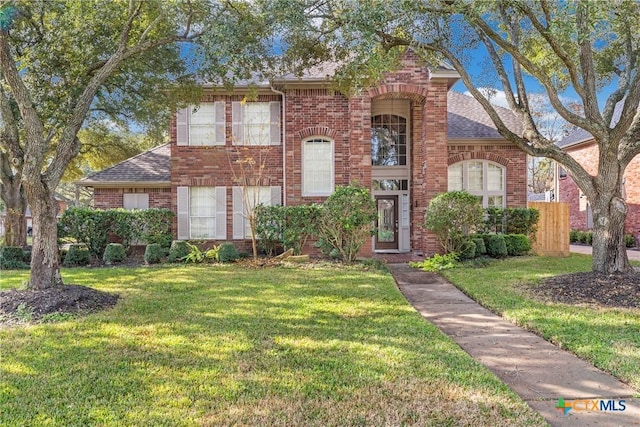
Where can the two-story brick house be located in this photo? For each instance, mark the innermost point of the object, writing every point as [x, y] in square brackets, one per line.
[407, 139]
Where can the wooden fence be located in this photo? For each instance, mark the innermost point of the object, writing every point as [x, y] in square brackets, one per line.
[552, 237]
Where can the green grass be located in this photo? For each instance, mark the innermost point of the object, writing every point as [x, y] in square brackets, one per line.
[222, 345]
[609, 338]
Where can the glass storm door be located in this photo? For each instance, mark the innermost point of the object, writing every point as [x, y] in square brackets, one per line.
[387, 222]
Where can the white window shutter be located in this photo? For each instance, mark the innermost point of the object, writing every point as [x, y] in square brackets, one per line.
[238, 213]
[237, 123]
[276, 122]
[221, 213]
[220, 121]
[276, 196]
[183, 213]
[182, 126]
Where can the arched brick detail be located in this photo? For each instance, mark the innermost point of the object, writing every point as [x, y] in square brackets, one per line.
[478, 155]
[317, 131]
[413, 92]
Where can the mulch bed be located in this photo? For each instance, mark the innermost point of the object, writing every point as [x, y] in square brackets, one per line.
[18, 306]
[613, 290]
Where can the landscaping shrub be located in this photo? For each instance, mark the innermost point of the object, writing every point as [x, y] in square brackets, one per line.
[496, 245]
[452, 217]
[286, 227]
[344, 222]
[481, 249]
[511, 220]
[269, 226]
[580, 237]
[517, 244]
[77, 255]
[227, 252]
[26, 256]
[437, 262]
[573, 236]
[178, 251]
[114, 253]
[153, 253]
[629, 241]
[468, 249]
[12, 258]
[588, 237]
[93, 227]
[195, 255]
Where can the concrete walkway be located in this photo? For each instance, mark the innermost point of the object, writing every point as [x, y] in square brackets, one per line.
[634, 255]
[536, 370]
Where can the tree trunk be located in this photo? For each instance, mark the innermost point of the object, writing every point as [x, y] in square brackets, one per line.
[45, 269]
[609, 249]
[15, 224]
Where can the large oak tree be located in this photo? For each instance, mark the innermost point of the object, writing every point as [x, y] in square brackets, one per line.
[62, 60]
[574, 47]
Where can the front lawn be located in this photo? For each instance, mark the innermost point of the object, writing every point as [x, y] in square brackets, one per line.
[223, 345]
[607, 337]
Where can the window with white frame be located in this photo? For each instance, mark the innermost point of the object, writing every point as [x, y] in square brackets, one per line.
[255, 196]
[207, 124]
[484, 179]
[202, 212]
[135, 201]
[317, 167]
[257, 123]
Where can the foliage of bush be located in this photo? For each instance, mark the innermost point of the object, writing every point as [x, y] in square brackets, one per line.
[481, 249]
[12, 258]
[288, 227]
[437, 262]
[345, 221]
[517, 244]
[573, 236]
[227, 252]
[452, 217]
[629, 241]
[113, 253]
[496, 245]
[93, 227]
[178, 251]
[153, 253]
[511, 220]
[77, 255]
[468, 249]
[197, 255]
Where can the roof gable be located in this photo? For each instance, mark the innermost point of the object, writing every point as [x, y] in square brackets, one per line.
[152, 166]
[467, 119]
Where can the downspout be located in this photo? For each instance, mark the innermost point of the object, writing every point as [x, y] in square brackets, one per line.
[284, 146]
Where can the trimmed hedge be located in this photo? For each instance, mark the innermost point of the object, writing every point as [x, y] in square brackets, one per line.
[468, 249]
[517, 244]
[114, 253]
[496, 245]
[481, 249]
[511, 220]
[12, 258]
[93, 227]
[227, 252]
[78, 255]
[153, 253]
[178, 251]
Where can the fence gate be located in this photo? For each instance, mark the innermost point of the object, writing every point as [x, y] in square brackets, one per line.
[552, 237]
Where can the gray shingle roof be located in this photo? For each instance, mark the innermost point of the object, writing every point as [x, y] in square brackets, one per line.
[467, 119]
[152, 166]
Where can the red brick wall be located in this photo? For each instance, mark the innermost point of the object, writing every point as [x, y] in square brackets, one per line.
[107, 198]
[587, 156]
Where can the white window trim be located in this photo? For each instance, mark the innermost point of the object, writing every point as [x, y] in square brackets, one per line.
[213, 125]
[332, 167]
[485, 194]
[213, 214]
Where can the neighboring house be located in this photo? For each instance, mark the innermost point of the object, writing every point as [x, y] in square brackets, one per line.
[407, 139]
[583, 147]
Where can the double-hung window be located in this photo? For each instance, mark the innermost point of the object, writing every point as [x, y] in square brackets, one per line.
[256, 123]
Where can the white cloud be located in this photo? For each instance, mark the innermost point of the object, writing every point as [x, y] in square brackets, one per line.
[495, 96]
